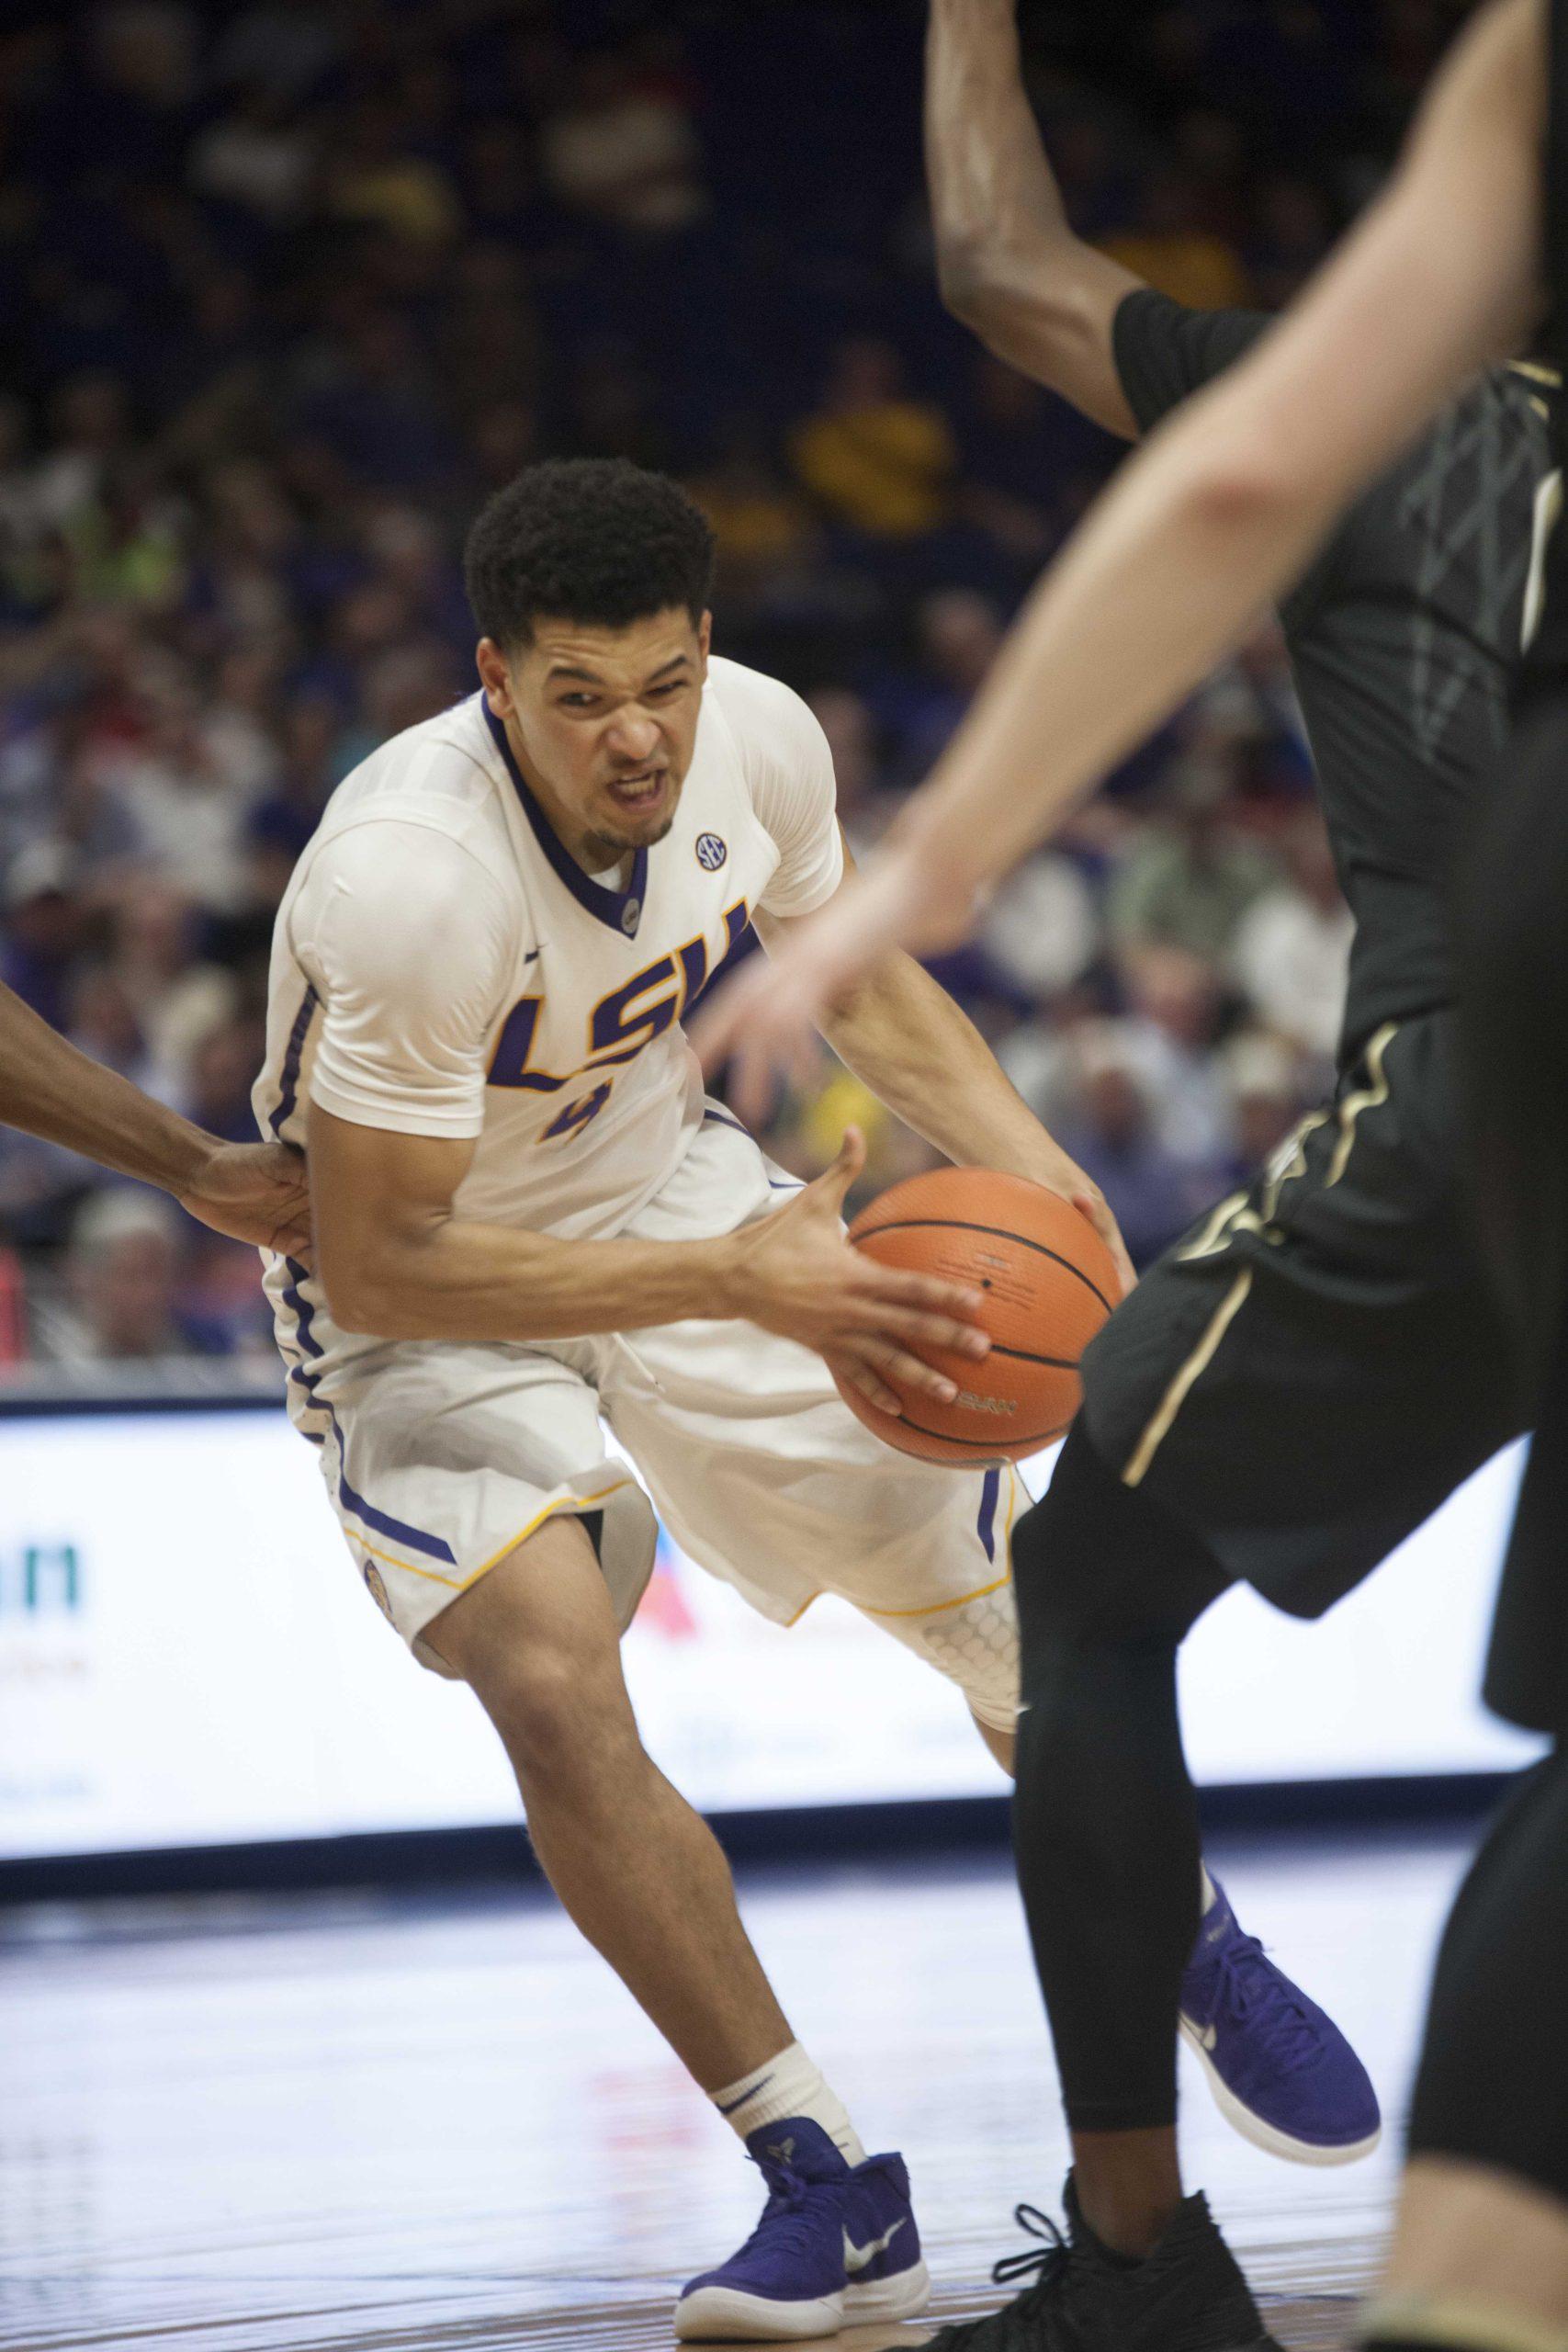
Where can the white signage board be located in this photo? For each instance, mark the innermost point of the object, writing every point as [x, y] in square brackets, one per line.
[187, 1657]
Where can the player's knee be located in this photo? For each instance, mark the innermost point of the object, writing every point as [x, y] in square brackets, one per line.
[975, 1643]
[1000, 1737]
[1061, 1570]
[1097, 1563]
[564, 1721]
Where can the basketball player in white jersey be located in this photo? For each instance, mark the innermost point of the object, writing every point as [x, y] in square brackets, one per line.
[529, 1221]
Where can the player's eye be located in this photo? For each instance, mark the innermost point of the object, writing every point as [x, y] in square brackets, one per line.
[577, 702]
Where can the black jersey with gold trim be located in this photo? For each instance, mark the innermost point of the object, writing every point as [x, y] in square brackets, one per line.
[1404, 638]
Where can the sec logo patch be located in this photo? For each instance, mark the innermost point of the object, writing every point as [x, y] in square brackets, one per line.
[376, 1586]
[712, 850]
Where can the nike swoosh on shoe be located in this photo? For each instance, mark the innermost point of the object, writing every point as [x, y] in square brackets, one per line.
[861, 2258]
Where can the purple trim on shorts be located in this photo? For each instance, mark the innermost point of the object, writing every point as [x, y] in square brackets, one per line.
[416, 1538]
[383, 1522]
[988, 1520]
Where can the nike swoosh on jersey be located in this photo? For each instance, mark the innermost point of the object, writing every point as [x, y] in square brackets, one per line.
[860, 2257]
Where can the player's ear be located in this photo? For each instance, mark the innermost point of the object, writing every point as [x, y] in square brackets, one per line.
[494, 676]
[705, 638]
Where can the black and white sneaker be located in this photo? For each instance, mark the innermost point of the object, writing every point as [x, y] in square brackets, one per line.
[1190, 2296]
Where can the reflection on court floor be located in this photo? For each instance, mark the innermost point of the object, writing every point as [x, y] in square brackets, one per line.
[347, 2123]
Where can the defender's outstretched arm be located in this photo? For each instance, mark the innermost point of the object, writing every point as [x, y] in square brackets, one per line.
[1219, 511]
[920, 1053]
[1227, 503]
[255, 1191]
[1008, 263]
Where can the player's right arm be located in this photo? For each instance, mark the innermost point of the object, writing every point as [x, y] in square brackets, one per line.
[1008, 261]
[407, 936]
[397, 1260]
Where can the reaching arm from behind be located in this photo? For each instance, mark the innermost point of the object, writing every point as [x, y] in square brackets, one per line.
[1009, 263]
[253, 1192]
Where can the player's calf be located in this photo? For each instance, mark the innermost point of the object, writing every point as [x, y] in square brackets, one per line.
[636, 1868]
[1110, 1583]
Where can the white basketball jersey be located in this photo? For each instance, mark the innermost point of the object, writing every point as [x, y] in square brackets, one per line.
[442, 967]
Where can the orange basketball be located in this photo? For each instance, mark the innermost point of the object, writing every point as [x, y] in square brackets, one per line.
[1049, 1280]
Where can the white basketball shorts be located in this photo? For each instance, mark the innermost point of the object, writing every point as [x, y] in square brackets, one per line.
[442, 1459]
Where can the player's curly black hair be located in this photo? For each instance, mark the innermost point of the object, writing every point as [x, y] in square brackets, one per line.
[592, 539]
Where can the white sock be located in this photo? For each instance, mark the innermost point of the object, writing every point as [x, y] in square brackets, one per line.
[789, 2085]
[1210, 1892]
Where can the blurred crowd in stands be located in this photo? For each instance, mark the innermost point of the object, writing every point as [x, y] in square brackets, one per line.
[287, 287]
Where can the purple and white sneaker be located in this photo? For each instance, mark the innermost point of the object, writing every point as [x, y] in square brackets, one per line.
[834, 2244]
[885, 2276]
[1282, 2072]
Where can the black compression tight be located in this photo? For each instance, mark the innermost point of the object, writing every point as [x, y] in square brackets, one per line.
[1492, 2088]
[1105, 1819]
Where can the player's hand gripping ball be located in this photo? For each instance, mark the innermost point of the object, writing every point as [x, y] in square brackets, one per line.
[1049, 1282]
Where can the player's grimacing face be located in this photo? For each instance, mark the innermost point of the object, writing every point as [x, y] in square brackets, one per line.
[604, 722]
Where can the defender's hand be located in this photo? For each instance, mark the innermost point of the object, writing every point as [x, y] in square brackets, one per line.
[255, 1192]
[1058, 1174]
[1090, 1201]
[768, 1019]
[795, 1274]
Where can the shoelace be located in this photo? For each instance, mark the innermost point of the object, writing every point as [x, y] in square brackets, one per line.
[1048, 2260]
[784, 2217]
[1250, 1983]
[1047, 2264]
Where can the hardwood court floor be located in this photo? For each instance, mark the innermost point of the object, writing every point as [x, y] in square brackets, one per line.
[357, 2126]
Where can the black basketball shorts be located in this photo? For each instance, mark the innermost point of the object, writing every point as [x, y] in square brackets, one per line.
[1314, 1368]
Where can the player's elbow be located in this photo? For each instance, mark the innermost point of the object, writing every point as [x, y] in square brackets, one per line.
[367, 1297]
[1241, 488]
[966, 278]
[1010, 310]
[359, 1307]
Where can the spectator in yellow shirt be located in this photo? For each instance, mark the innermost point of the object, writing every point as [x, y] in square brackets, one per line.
[873, 456]
[1172, 250]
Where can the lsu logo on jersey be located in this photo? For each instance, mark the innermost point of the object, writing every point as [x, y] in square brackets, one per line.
[712, 850]
[623, 1025]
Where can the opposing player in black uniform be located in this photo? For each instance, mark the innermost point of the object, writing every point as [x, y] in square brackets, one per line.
[1306, 1375]
[1344, 1262]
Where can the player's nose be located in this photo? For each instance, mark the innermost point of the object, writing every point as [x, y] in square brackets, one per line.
[633, 738]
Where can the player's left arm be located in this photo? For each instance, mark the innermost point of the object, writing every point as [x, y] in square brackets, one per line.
[918, 1053]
